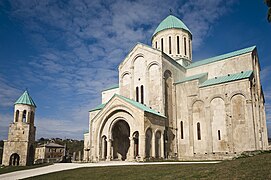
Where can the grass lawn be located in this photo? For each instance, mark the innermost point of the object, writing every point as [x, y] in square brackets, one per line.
[256, 167]
[8, 169]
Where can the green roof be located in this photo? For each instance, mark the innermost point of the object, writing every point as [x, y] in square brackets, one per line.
[169, 23]
[140, 106]
[194, 77]
[111, 87]
[99, 107]
[221, 57]
[228, 78]
[25, 99]
[133, 103]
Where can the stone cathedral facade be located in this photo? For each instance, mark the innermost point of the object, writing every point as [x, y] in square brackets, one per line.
[167, 106]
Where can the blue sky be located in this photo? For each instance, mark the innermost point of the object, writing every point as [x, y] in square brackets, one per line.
[66, 52]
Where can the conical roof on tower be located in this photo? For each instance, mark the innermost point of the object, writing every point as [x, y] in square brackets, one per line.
[171, 22]
[26, 99]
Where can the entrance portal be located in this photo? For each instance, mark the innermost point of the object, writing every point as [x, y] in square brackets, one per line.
[14, 160]
[121, 142]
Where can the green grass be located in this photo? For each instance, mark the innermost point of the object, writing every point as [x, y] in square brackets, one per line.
[256, 167]
[8, 169]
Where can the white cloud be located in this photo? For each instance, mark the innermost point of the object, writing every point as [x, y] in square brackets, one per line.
[8, 93]
[82, 42]
[266, 73]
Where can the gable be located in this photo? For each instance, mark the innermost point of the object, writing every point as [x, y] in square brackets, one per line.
[103, 107]
[135, 51]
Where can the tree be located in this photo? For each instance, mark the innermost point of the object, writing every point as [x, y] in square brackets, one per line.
[268, 3]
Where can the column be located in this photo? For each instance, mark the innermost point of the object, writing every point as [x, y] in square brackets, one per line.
[79, 156]
[109, 142]
[20, 116]
[162, 145]
[132, 149]
[153, 145]
[103, 148]
[141, 147]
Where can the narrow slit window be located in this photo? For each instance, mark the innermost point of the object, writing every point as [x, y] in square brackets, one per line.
[137, 94]
[184, 41]
[162, 45]
[169, 43]
[142, 94]
[198, 131]
[219, 136]
[156, 45]
[181, 129]
[178, 45]
[190, 49]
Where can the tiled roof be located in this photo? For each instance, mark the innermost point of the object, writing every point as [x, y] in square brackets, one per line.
[99, 107]
[190, 78]
[51, 144]
[221, 57]
[228, 78]
[171, 22]
[111, 87]
[140, 106]
[25, 99]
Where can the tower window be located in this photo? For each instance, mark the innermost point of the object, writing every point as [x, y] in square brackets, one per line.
[169, 43]
[178, 45]
[198, 131]
[24, 116]
[17, 116]
[184, 39]
[142, 94]
[162, 45]
[219, 136]
[181, 129]
[137, 94]
[156, 45]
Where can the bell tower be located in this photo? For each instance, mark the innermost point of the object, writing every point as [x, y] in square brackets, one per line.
[19, 148]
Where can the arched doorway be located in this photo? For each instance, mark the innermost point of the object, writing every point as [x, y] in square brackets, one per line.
[121, 142]
[158, 144]
[14, 160]
[148, 143]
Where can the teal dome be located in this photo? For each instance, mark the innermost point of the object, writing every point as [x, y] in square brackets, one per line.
[169, 23]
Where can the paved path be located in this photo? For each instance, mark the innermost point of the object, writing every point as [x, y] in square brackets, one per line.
[66, 166]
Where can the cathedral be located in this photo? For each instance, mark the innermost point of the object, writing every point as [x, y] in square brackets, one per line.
[166, 106]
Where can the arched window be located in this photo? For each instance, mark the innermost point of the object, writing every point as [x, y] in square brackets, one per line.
[169, 44]
[17, 116]
[142, 93]
[184, 41]
[137, 95]
[162, 45]
[24, 116]
[181, 129]
[218, 134]
[198, 131]
[178, 45]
